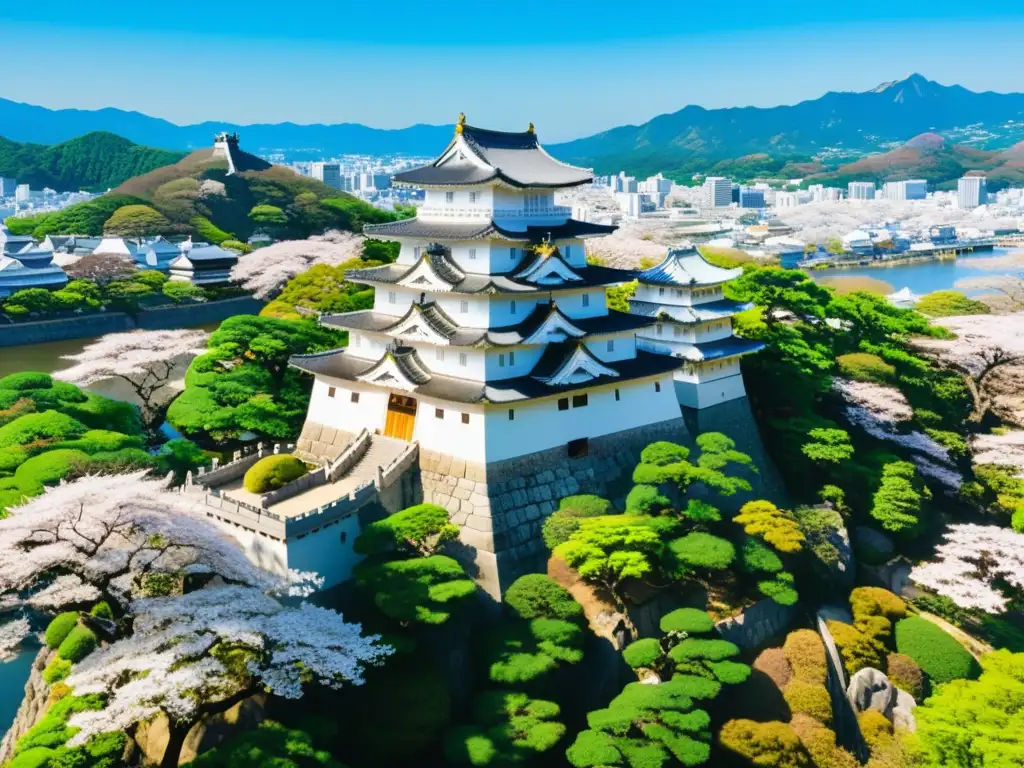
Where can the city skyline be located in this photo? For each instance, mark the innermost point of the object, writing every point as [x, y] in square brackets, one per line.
[323, 64]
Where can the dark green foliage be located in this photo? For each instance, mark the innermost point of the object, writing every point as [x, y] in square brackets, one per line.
[758, 557]
[646, 652]
[52, 731]
[82, 218]
[647, 726]
[60, 627]
[273, 472]
[50, 468]
[938, 654]
[510, 729]
[699, 551]
[96, 161]
[269, 745]
[898, 503]
[536, 596]
[79, 643]
[423, 590]
[179, 456]
[663, 462]
[49, 426]
[244, 383]
[420, 529]
[518, 652]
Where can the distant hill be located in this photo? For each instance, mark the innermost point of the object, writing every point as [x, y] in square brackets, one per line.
[94, 162]
[837, 122]
[26, 122]
[197, 195]
[931, 157]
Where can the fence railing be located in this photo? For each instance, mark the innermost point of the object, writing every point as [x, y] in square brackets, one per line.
[389, 474]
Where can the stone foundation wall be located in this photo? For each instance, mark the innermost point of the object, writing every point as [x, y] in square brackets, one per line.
[501, 506]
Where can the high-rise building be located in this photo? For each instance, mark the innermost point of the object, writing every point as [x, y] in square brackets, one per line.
[328, 173]
[787, 199]
[22, 194]
[912, 189]
[751, 198]
[971, 191]
[861, 190]
[655, 185]
[717, 192]
[8, 187]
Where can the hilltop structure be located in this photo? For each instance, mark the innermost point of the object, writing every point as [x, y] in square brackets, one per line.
[490, 344]
[694, 323]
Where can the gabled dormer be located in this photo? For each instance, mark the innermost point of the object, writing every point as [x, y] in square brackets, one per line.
[399, 368]
[552, 326]
[546, 267]
[570, 363]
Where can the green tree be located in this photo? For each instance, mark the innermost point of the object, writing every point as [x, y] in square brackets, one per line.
[423, 590]
[421, 529]
[269, 745]
[774, 290]
[772, 525]
[899, 502]
[977, 723]
[950, 303]
[511, 729]
[772, 744]
[828, 447]
[136, 221]
[268, 217]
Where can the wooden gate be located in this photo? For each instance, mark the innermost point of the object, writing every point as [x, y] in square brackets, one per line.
[401, 417]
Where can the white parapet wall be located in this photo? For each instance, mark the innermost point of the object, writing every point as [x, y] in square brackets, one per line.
[704, 394]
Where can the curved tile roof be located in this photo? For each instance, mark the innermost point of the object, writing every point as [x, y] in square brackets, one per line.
[699, 313]
[685, 267]
[443, 230]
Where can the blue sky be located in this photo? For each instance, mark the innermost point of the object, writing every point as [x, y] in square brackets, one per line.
[573, 68]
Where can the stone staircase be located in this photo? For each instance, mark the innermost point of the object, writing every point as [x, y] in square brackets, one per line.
[381, 453]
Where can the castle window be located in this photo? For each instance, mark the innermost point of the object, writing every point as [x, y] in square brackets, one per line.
[679, 292]
[677, 331]
[586, 299]
[449, 197]
[465, 418]
[359, 341]
[462, 358]
[472, 253]
[464, 307]
[511, 414]
[578, 401]
[501, 361]
[617, 396]
[331, 391]
[611, 345]
[563, 403]
[579, 448]
[472, 197]
[392, 297]
[439, 413]
[512, 253]
[661, 291]
[512, 306]
[344, 536]
[511, 358]
[355, 397]
[416, 252]
[567, 252]
[439, 354]
[657, 386]
[660, 328]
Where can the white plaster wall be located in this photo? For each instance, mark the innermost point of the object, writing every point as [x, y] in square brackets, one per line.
[573, 251]
[269, 554]
[623, 346]
[477, 314]
[508, 309]
[448, 434]
[540, 425]
[680, 297]
[694, 334]
[446, 361]
[340, 412]
[706, 394]
[572, 303]
[328, 551]
[518, 361]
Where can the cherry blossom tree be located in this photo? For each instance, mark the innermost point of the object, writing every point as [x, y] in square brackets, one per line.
[105, 537]
[977, 567]
[265, 272]
[144, 359]
[201, 653]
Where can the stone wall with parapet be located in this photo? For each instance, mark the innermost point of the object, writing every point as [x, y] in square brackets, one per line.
[501, 506]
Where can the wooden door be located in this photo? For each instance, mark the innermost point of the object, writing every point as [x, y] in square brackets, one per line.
[401, 417]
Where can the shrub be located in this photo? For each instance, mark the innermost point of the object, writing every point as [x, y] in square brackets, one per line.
[780, 589]
[898, 503]
[419, 529]
[53, 731]
[78, 644]
[585, 505]
[862, 366]
[102, 440]
[874, 610]
[536, 596]
[949, 304]
[771, 524]
[938, 654]
[773, 663]
[759, 558]
[37, 757]
[701, 551]
[771, 745]
[56, 670]
[906, 675]
[60, 627]
[809, 699]
[805, 652]
[26, 380]
[50, 426]
[820, 742]
[50, 467]
[646, 500]
[875, 727]
[558, 529]
[565, 521]
[689, 620]
[858, 650]
[102, 611]
[642, 653]
[269, 744]
[272, 472]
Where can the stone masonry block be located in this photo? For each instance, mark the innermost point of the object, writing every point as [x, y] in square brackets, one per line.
[461, 493]
[457, 468]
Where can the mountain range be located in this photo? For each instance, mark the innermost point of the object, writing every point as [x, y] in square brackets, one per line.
[835, 124]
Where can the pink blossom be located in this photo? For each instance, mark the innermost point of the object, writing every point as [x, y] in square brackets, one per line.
[265, 271]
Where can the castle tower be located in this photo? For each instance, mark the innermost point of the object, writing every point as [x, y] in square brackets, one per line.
[693, 323]
[491, 345]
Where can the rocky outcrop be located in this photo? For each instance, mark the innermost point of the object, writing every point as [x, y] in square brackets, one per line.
[871, 689]
[33, 706]
[151, 737]
[753, 626]
[903, 712]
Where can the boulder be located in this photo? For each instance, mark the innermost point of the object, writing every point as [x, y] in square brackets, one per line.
[871, 689]
[903, 712]
[151, 737]
[872, 546]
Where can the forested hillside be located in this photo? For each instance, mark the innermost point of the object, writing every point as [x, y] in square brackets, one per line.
[96, 162]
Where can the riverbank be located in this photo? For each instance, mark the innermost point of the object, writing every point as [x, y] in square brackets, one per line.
[155, 319]
[948, 254]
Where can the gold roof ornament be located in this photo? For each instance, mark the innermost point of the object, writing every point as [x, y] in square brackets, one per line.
[460, 123]
[544, 249]
[531, 129]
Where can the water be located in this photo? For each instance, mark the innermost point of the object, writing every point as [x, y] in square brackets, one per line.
[13, 675]
[930, 276]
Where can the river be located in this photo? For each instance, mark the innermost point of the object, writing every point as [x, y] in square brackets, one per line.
[929, 276]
